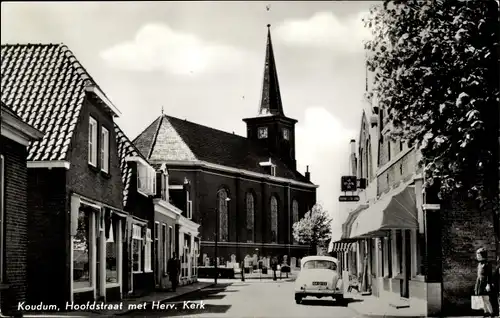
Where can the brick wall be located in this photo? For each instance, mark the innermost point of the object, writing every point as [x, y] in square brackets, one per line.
[204, 187]
[15, 224]
[465, 229]
[85, 179]
[48, 245]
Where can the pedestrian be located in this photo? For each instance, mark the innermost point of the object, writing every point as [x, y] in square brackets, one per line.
[274, 267]
[173, 269]
[496, 288]
[484, 281]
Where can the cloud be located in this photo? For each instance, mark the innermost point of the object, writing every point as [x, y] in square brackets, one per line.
[157, 47]
[325, 30]
[322, 142]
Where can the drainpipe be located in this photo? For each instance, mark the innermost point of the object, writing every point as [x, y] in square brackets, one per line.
[289, 222]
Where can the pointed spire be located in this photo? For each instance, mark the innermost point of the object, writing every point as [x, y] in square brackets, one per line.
[271, 96]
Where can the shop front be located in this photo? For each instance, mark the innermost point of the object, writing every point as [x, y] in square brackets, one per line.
[189, 249]
[388, 245]
[96, 251]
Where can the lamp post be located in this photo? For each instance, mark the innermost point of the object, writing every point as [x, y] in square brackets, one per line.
[217, 236]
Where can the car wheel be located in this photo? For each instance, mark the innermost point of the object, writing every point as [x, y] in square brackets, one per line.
[340, 300]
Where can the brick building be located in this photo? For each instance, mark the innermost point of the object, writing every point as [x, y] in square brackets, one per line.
[74, 182]
[404, 245]
[16, 136]
[252, 182]
[156, 227]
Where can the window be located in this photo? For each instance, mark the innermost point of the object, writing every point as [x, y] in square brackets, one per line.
[196, 255]
[92, 141]
[189, 209]
[171, 241]
[320, 265]
[399, 251]
[274, 219]
[146, 179]
[388, 150]
[137, 242]
[361, 163]
[295, 215]
[367, 161]
[164, 186]
[421, 254]
[389, 256]
[105, 150]
[262, 132]
[112, 255]
[286, 134]
[2, 179]
[250, 204]
[166, 250]
[223, 215]
[273, 170]
[370, 159]
[156, 250]
[147, 252]
[82, 252]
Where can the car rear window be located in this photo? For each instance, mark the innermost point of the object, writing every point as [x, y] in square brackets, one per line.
[320, 265]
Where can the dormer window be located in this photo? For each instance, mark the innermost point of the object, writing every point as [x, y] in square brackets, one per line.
[262, 132]
[146, 179]
[286, 134]
[146, 176]
[273, 170]
[270, 167]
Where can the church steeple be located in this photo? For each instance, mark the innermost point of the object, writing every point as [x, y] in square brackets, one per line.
[271, 128]
[271, 97]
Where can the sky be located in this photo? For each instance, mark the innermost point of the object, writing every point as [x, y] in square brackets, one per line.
[204, 62]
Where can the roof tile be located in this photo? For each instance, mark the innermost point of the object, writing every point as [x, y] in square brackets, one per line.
[44, 84]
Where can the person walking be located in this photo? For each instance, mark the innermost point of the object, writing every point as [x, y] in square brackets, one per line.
[484, 281]
[274, 267]
[173, 269]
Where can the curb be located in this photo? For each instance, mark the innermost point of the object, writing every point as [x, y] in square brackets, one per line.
[123, 313]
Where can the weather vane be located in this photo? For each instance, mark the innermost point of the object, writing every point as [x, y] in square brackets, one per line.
[162, 110]
[268, 7]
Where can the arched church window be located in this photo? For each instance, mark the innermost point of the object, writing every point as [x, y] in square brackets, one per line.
[250, 207]
[223, 215]
[274, 219]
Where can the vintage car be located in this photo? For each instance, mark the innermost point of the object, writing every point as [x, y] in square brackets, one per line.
[319, 277]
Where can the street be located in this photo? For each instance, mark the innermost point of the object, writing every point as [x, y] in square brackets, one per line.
[248, 299]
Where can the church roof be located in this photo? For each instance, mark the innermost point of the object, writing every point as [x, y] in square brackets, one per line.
[271, 97]
[173, 139]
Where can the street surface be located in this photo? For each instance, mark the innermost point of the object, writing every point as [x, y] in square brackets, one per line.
[248, 299]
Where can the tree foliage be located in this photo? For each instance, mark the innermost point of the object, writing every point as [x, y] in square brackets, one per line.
[437, 76]
[314, 228]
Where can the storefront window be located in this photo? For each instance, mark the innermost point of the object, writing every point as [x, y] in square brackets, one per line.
[112, 255]
[156, 250]
[137, 242]
[147, 251]
[166, 254]
[421, 254]
[81, 252]
[399, 251]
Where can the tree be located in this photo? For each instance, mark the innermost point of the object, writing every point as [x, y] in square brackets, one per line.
[314, 228]
[437, 76]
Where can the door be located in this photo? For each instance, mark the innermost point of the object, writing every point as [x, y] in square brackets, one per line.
[405, 282]
[98, 267]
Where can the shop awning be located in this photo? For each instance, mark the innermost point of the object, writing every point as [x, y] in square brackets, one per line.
[392, 212]
[341, 247]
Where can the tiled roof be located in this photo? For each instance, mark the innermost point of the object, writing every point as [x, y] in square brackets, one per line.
[45, 85]
[125, 149]
[173, 139]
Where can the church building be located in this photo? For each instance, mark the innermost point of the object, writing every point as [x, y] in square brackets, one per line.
[245, 192]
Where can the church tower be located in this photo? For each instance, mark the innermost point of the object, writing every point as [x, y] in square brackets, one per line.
[271, 128]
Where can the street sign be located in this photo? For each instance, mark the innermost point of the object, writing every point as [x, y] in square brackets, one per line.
[348, 183]
[348, 198]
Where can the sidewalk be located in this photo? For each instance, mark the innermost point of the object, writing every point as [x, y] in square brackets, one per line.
[374, 307]
[127, 303]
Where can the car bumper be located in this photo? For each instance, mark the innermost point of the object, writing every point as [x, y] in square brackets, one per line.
[316, 292]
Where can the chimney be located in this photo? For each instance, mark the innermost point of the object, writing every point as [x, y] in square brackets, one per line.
[353, 147]
[308, 174]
